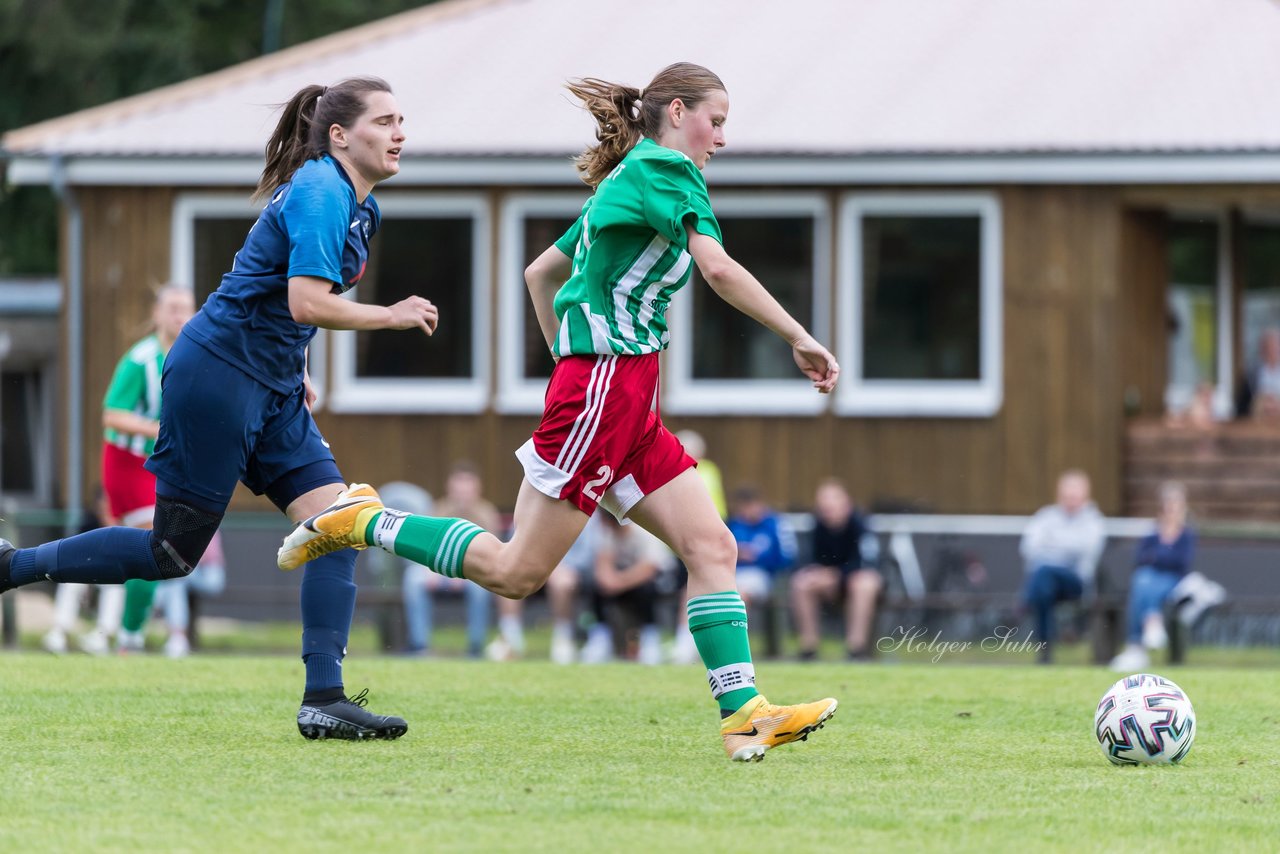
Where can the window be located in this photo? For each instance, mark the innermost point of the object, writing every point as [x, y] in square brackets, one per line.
[1260, 302]
[25, 423]
[436, 247]
[530, 223]
[919, 306]
[1197, 293]
[208, 231]
[723, 361]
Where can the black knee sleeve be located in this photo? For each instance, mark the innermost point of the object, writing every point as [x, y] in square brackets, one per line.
[179, 535]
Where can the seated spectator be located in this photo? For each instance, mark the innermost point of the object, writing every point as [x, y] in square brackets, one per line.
[1161, 564]
[69, 597]
[628, 560]
[696, 447]
[1199, 413]
[1061, 547]
[766, 545]
[1259, 392]
[574, 572]
[844, 554]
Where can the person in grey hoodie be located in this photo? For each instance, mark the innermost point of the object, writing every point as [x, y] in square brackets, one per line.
[1060, 546]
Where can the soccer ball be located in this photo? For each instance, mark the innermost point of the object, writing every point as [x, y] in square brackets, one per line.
[1145, 720]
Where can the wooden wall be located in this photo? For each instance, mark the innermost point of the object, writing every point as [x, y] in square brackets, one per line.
[125, 234]
[1070, 339]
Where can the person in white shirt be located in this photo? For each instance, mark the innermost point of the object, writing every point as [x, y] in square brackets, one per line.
[1061, 547]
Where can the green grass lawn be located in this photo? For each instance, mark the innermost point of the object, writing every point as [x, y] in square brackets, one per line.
[144, 753]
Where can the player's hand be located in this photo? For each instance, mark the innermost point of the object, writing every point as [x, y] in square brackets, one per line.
[414, 311]
[816, 363]
[308, 391]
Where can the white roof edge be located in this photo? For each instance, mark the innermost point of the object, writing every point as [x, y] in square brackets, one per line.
[947, 169]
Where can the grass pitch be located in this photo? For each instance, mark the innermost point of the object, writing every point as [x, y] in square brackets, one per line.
[203, 755]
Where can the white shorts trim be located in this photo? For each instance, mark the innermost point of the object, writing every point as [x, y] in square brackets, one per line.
[544, 477]
[621, 497]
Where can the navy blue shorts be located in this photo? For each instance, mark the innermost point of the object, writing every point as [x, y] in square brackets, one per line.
[218, 425]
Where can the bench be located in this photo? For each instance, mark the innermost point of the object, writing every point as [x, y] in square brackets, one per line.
[925, 558]
[385, 605]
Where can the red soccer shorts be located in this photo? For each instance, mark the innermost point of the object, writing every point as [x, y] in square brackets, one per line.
[601, 441]
[131, 489]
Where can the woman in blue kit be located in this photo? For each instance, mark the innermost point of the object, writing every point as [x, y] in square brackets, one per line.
[236, 394]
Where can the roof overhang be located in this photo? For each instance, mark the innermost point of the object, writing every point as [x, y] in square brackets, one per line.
[788, 170]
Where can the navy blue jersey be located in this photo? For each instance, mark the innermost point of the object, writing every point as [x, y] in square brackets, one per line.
[313, 226]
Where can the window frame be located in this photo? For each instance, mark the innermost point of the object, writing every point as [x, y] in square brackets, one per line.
[189, 207]
[685, 395]
[517, 394]
[41, 421]
[351, 393]
[855, 395]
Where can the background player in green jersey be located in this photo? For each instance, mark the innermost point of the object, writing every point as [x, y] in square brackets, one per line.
[601, 295]
[131, 422]
[131, 416]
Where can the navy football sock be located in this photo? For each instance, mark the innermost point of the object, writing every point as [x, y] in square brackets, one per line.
[323, 696]
[103, 556]
[328, 604]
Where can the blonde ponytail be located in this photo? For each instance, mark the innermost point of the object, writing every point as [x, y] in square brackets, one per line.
[624, 114]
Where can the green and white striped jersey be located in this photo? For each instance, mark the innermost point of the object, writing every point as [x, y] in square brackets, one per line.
[630, 254]
[135, 387]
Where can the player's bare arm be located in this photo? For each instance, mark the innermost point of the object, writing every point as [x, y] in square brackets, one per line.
[312, 301]
[735, 285]
[130, 422]
[544, 277]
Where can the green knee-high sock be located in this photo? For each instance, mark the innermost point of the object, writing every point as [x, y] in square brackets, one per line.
[138, 596]
[718, 623]
[436, 543]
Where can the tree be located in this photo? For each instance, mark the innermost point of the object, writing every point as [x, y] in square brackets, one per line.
[59, 56]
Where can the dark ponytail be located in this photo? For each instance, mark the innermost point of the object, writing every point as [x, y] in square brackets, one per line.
[302, 133]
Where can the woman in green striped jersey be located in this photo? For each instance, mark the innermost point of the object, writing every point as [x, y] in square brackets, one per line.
[601, 295]
[131, 422]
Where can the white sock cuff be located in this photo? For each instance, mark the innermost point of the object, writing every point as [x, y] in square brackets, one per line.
[731, 677]
[388, 528]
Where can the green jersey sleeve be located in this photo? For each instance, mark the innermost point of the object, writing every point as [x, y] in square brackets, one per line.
[675, 193]
[128, 386]
[568, 242]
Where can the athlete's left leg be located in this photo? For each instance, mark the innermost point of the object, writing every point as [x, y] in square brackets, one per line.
[328, 600]
[681, 513]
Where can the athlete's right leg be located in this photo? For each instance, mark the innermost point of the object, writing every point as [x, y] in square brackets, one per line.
[199, 455]
[562, 591]
[113, 555]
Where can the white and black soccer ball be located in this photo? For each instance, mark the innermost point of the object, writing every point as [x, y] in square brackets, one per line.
[1145, 719]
